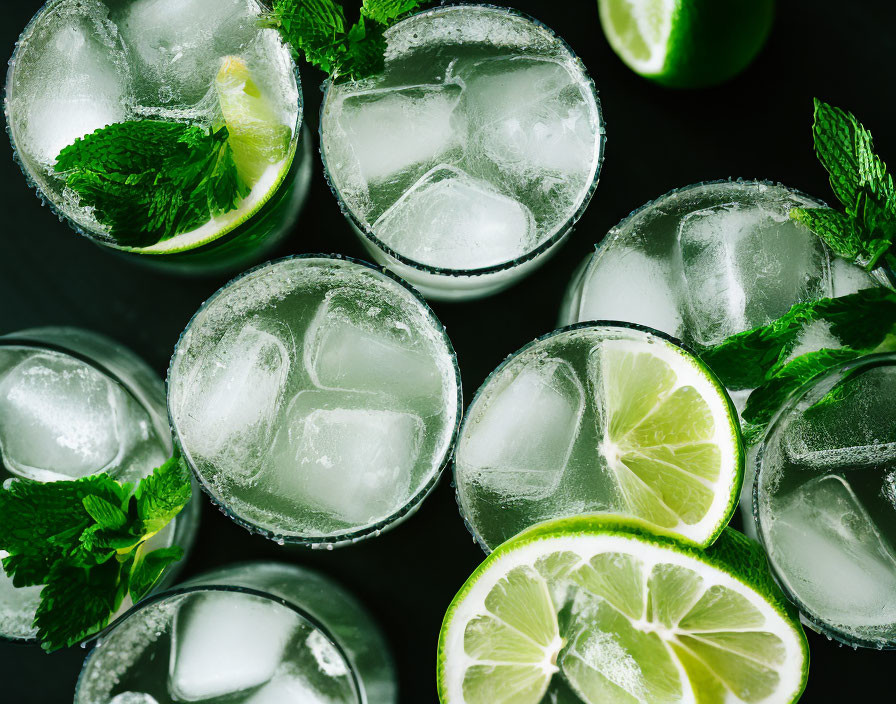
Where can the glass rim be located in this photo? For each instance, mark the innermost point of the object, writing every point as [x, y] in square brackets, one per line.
[602, 247]
[183, 591]
[510, 358]
[95, 237]
[407, 508]
[561, 232]
[869, 361]
[15, 339]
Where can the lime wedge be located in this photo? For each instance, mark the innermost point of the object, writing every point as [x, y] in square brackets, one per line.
[686, 44]
[669, 436]
[606, 612]
[256, 135]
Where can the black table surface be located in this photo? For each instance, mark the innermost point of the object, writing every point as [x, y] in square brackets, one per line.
[755, 126]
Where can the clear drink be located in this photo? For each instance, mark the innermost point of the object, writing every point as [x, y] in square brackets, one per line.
[565, 427]
[466, 162]
[825, 501]
[83, 64]
[707, 261]
[73, 404]
[316, 398]
[252, 633]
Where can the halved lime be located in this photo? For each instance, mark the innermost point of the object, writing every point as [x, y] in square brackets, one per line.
[686, 43]
[621, 616]
[606, 419]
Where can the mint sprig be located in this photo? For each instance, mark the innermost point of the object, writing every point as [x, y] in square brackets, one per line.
[149, 180]
[763, 358]
[319, 30]
[865, 232]
[85, 541]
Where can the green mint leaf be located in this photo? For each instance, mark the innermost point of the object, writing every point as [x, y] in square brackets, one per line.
[866, 231]
[148, 180]
[78, 602]
[162, 495]
[148, 567]
[839, 231]
[747, 360]
[315, 28]
[41, 524]
[83, 539]
[387, 11]
[106, 514]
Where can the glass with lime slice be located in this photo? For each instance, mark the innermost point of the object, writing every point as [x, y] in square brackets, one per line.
[599, 417]
[592, 610]
[687, 44]
[81, 65]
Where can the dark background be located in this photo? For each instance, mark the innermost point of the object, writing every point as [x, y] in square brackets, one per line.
[755, 126]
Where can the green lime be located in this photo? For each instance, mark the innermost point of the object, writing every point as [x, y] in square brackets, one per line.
[604, 609]
[670, 437]
[257, 136]
[686, 43]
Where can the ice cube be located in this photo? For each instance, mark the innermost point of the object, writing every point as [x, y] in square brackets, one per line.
[520, 443]
[530, 118]
[450, 220]
[61, 418]
[226, 642]
[848, 278]
[176, 46]
[289, 688]
[70, 79]
[856, 457]
[354, 463]
[233, 398]
[18, 606]
[328, 659]
[630, 286]
[390, 131]
[832, 555]
[745, 266]
[133, 698]
[356, 343]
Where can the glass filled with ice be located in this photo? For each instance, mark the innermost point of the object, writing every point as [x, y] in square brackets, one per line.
[466, 162]
[316, 398]
[825, 501]
[82, 65]
[250, 633]
[73, 404]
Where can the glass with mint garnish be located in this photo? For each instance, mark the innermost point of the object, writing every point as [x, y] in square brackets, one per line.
[95, 511]
[171, 129]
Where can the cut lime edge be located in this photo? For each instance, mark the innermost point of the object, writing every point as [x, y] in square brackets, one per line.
[702, 375]
[726, 555]
[656, 66]
[248, 208]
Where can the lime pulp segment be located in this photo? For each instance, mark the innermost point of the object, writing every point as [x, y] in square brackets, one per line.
[621, 617]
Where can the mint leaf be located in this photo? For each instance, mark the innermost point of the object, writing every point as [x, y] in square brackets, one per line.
[85, 540]
[106, 514]
[78, 602]
[162, 495]
[317, 29]
[387, 11]
[148, 180]
[866, 231]
[760, 359]
[148, 567]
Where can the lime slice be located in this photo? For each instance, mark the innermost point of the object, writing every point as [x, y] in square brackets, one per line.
[600, 418]
[686, 44]
[600, 608]
[257, 136]
[670, 436]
